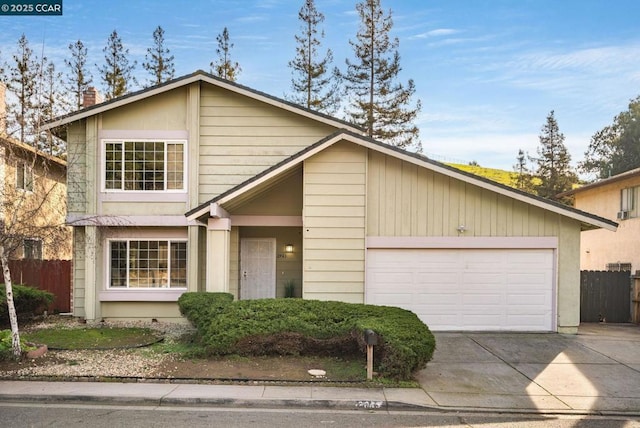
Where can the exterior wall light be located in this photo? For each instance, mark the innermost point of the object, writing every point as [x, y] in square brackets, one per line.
[288, 248]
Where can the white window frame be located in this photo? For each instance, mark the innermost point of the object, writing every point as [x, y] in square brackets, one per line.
[166, 142]
[127, 288]
[24, 177]
[629, 201]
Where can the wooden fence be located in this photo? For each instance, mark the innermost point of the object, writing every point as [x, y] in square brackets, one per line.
[605, 296]
[53, 276]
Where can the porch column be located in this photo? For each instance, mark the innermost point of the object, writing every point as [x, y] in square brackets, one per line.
[218, 254]
[91, 302]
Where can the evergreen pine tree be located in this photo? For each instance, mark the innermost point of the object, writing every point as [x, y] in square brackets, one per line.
[22, 112]
[315, 86]
[224, 67]
[379, 103]
[158, 62]
[553, 162]
[53, 104]
[522, 174]
[78, 77]
[116, 71]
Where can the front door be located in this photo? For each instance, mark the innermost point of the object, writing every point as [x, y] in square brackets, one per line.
[257, 268]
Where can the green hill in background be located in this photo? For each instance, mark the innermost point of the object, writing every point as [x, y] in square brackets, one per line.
[507, 178]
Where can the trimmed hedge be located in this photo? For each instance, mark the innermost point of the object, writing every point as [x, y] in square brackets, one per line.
[296, 326]
[28, 301]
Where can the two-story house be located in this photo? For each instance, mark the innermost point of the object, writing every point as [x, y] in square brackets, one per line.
[201, 184]
[32, 198]
[616, 198]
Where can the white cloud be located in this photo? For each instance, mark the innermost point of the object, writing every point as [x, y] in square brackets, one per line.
[441, 32]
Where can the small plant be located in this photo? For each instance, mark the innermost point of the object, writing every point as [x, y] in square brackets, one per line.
[290, 288]
[6, 349]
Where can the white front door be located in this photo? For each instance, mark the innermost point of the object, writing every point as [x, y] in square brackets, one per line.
[257, 268]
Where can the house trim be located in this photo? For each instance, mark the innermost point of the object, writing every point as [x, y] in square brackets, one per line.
[452, 242]
[140, 295]
[588, 221]
[127, 220]
[269, 221]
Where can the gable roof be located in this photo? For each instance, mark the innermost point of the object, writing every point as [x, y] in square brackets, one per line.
[26, 149]
[198, 76]
[587, 220]
[622, 176]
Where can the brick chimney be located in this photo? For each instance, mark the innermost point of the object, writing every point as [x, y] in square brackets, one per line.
[3, 109]
[91, 97]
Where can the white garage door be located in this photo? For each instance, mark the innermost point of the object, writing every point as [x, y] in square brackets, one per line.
[466, 289]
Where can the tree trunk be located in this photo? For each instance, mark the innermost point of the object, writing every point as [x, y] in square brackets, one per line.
[13, 317]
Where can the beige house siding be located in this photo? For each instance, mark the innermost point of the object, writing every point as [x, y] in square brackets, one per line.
[78, 274]
[334, 224]
[166, 111]
[601, 247]
[77, 171]
[406, 200]
[131, 311]
[240, 137]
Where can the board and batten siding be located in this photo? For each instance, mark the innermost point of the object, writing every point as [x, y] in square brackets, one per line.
[77, 170]
[240, 137]
[334, 224]
[407, 200]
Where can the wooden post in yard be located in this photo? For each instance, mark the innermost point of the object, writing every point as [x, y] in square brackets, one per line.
[369, 362]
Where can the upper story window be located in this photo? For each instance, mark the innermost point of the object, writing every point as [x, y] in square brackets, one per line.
[628, 203]
[32, 249]
[144, 165]
[24, 177]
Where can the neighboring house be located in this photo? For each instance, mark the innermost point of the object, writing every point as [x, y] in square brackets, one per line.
[201, 184]
[33, 192]
[615, 198]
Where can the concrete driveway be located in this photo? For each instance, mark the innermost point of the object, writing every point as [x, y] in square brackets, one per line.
[597, 370]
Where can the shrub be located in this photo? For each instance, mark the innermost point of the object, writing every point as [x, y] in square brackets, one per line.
[28, 301]
[6, 345]
[296, 326]
[200, 307]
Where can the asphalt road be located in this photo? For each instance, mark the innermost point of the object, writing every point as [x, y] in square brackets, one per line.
[74, 415]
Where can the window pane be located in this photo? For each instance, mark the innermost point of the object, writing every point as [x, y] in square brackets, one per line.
[113, 170]
[178, 264]
[175, 166]
[118, 264]
[20, 175]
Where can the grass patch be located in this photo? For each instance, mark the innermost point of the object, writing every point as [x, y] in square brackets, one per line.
[93, 338]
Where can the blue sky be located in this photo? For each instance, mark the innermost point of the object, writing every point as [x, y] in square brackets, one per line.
[488, 72]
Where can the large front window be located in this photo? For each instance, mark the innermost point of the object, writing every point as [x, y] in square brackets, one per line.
[140, 264]
[144, 165]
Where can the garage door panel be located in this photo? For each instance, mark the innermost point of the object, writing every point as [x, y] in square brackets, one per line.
[458, 289]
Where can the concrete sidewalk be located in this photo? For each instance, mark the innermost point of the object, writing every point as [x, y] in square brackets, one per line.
[171, 394]
[595, 372]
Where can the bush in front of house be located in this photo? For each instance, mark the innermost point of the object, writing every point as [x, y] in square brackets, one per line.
[310, 327]
[28, 301]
